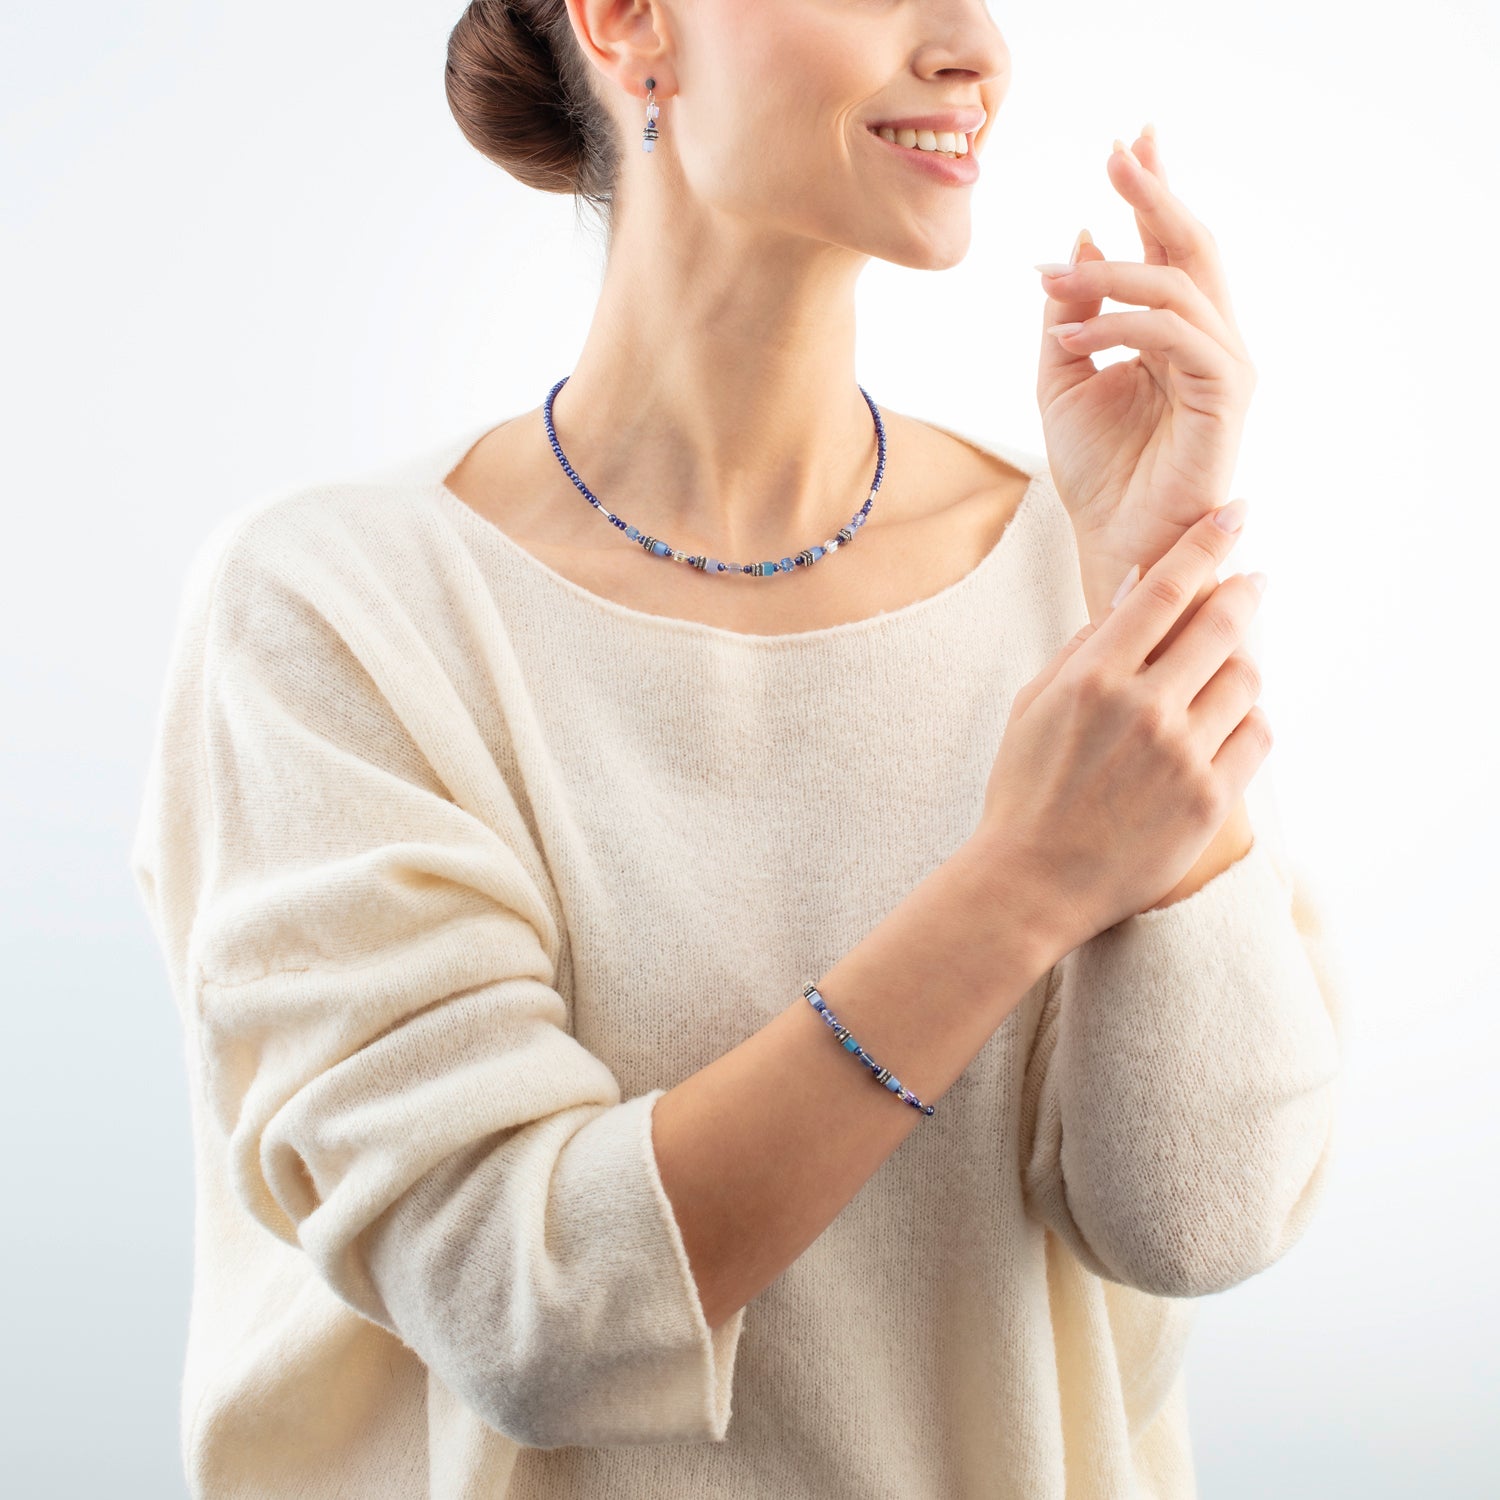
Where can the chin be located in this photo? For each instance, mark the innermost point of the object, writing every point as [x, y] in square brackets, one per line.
[939, 253]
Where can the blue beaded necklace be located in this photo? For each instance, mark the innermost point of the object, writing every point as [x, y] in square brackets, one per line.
[658, 548]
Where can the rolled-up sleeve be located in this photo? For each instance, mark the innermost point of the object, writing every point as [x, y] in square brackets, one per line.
[369, 973]
[1180, 1096]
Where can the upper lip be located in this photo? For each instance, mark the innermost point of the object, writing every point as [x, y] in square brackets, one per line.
[959, 121]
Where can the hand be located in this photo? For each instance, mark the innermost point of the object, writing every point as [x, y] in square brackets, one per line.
[1116, 770]
[1143, 448]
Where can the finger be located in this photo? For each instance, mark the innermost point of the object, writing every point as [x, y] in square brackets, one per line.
[1185, 240]
[1061, 367]
[1203, 645]
[1137, 624]
[1159, 286]
[1148, 153]
[1226, 698]
[1244, 752]
[1189, 349]
[1144, 147]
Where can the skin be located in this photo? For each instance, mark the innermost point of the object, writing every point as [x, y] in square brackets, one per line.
[714, 403]
[721, 360]
[1144, 448]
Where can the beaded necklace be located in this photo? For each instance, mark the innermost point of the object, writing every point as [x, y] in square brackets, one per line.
[658, 548]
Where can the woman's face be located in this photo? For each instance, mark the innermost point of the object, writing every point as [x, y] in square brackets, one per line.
[775, 104]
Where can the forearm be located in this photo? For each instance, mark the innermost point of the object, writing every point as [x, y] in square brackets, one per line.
[1184, 1070]
[761, 1149]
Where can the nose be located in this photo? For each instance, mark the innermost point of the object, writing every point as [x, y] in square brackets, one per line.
[961, 37]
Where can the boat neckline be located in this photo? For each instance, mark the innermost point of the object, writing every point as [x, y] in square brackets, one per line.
[453, 453]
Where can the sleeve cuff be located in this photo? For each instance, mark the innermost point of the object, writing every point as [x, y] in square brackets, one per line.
[707, 1355]
[1254, 884]
[643, 1366]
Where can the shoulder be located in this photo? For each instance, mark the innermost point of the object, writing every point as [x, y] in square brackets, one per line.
[330, 538]
[1020, 475]
[987, 457]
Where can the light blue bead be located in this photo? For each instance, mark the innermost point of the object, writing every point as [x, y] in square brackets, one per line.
[894, 1085]
[850, 1044]
[660, 548]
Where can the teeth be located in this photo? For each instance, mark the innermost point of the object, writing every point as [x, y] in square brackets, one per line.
[954, 143]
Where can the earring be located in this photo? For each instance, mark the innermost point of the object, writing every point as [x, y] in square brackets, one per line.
[648, 136]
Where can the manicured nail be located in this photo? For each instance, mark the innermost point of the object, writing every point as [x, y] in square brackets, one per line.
[1084, 238]
[1064, 330]
[1051, 268]
[1230, 517]
[1121, 146]
[1259, 580]
[1126, 584]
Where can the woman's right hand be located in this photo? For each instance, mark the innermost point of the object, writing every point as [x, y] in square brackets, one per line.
[1117, 768]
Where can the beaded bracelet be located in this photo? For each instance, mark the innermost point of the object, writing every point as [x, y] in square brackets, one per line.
[882, 1075]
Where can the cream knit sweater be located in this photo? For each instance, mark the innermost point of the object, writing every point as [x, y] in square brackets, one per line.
[457, 867]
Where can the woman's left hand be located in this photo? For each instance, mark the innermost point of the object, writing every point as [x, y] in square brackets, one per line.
[1142, 448]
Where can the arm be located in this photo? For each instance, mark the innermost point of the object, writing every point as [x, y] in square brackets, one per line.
[734, 1138]
[1179, 1100]
[369, 960]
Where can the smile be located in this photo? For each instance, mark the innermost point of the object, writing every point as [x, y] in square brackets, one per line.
[938, 155]
[948, 143]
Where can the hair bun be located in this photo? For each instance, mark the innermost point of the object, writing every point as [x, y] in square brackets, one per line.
[519, 87]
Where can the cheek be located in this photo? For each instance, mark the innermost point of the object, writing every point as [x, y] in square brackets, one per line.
[787, 79]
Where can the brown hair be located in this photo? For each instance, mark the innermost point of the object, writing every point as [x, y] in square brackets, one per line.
[519, 87]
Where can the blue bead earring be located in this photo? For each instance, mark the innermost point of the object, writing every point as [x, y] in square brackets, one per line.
[648, 136]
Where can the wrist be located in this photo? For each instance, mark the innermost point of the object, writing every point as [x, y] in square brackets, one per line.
[1009, 905]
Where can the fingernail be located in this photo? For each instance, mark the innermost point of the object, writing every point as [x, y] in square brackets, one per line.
[1064, 330]
[1126, 584]
[1121, 146]
[1230, 517]
[1084, 238]
[1259, 580]
[1149, 131]
[1051, 268]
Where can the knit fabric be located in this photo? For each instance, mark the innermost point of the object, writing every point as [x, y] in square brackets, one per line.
[457, 867]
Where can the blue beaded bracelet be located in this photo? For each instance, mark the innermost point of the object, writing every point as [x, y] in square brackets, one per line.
[882, 1075]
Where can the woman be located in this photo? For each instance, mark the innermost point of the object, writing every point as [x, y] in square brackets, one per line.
[512, 859]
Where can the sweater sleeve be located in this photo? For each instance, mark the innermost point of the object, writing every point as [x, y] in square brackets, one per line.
[371, 950]
[1179, 1099]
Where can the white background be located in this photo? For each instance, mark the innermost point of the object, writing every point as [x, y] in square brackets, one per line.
[247, 245]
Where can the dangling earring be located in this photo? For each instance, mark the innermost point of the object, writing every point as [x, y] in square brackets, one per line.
[648, 136]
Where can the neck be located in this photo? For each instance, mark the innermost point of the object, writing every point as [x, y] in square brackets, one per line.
[716, 404]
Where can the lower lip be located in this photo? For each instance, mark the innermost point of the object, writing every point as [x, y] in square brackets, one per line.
[955, 169]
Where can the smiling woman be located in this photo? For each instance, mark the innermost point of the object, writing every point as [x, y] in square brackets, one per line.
[514, 854]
